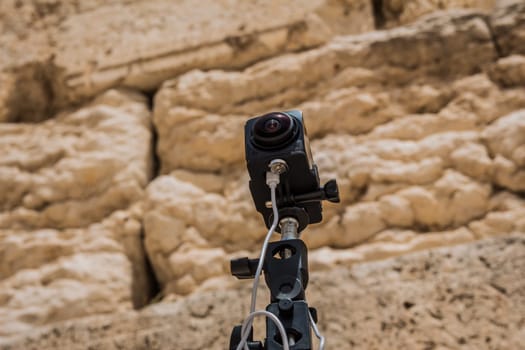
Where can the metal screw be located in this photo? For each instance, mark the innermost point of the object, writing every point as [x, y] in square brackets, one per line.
[278, 166]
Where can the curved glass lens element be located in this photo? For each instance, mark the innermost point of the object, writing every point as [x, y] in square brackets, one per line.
[273, 130]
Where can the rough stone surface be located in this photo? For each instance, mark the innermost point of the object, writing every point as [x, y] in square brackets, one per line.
[70, 237]
[422, 125]
[508, 25]
[420, 142]
[78, 167]
[466, 297]
[365, 78]
[84, 48]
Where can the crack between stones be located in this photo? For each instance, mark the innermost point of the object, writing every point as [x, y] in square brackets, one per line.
[152, 282]
[493, 37]
[378, 13]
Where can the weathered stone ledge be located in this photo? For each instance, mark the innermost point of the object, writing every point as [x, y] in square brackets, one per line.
[463, 297]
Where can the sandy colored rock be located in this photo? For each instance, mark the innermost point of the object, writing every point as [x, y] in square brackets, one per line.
[420, 124]
[469, 296]
[415, 141]
[86, 47]
[49, 275]
[184, 244]
[70, 232]
[77, 168]
[191, 233]
[353, 84]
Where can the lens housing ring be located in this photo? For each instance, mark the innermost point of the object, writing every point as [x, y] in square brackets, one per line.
[274, 130]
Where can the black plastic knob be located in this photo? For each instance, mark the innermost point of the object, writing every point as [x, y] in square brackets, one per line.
[243, 268]
[331, 191]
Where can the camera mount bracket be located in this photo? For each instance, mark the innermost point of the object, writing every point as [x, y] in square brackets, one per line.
[289, 208]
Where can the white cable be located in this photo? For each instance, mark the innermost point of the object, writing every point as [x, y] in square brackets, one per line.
[316, 331]
[272, 180]
[272, 185]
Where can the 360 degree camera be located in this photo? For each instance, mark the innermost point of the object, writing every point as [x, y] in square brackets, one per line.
[282, 136]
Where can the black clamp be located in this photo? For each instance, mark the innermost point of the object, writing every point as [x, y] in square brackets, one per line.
[244, 268]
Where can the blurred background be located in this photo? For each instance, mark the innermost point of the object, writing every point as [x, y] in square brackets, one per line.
[123, 188]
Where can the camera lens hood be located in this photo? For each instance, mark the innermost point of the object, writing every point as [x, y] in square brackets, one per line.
[274, 130]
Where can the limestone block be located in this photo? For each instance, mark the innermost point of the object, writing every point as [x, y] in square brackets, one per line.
[404, 167]
[388, 243]
[49, 275]
[191, 234]
[353, 85]
[77, 168]
[188, 227]
[460, 200]
[347, 17]
[506, 137]
[222, 36]
[24, 38]
[469, 296]
[421, 125]
[499, 222]
[87, 44]
[70, 227]
[73, 287]
[505, 214]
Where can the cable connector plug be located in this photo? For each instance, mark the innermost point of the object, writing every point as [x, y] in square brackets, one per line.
[272, 179]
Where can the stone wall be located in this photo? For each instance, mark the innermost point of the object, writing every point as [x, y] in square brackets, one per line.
[122, 176]
[70, 222]
[58, 52]
[425, 142]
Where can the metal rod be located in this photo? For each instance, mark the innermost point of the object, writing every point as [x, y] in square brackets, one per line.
[289, 227]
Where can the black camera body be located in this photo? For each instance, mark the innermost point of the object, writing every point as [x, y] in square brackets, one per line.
[282, 135]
